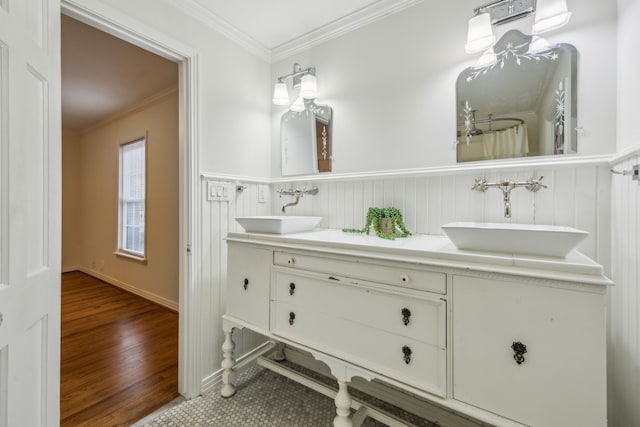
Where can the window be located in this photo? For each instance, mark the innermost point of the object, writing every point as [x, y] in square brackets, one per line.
[132, 199]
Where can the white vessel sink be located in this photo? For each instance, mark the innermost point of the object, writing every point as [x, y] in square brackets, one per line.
[528, 239]
[279, 224]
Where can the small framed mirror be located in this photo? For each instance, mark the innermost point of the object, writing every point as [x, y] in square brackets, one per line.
[306, 140]
[521, 103]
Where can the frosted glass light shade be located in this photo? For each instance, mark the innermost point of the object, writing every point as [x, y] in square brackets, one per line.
[281, 94]
[550, 15]
[298, 106]
[309, 86]
[480, 35]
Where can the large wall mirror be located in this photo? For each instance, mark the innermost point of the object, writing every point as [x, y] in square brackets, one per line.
[521, 103]
[305, 140]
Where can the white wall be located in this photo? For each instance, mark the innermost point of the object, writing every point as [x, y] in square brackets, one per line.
[392, 84]
[624, 313]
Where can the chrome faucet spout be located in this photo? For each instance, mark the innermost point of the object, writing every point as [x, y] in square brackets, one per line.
[284, 208]
[297, 193]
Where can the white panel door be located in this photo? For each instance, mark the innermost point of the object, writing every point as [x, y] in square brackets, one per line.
[30, 194]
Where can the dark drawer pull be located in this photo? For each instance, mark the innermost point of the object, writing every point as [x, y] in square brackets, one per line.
[292, 288]
[246, 284]
[406, 316]
[519, 350]
[406, 350]
[292, 318]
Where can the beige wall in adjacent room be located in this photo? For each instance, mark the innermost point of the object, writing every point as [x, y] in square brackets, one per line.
[90, 183]
[71, 220]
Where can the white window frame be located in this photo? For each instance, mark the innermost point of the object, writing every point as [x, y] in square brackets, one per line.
[122, 251]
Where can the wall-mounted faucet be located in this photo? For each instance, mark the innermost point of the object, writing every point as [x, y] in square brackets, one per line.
[297, 193]
[532, 184]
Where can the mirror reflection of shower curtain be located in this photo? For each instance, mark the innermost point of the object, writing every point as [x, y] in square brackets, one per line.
[510, 142]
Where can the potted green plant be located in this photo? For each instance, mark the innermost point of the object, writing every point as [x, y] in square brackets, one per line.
[387, 223]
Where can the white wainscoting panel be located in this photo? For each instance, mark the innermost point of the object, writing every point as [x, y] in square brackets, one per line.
[624, 297]
[577, 196]
[218, 219]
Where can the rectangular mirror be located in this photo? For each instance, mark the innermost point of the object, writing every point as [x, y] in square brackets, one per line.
[521, 103]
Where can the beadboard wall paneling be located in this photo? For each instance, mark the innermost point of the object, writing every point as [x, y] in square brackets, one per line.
[218, 219]
[577, 196]
[624, 312]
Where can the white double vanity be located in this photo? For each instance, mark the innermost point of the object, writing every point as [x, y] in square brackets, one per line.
[503, 339]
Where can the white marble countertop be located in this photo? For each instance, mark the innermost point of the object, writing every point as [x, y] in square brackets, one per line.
[436, 251]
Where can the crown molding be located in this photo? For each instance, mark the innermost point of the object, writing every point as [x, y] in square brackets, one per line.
[346, 24]
[204, 15]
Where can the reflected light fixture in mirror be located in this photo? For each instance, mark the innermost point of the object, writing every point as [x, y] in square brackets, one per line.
[549, 15]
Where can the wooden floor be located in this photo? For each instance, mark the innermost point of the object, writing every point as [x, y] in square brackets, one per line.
[119, 354]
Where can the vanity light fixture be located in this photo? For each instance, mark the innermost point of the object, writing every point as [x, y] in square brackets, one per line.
[550, 15]
[303, 79]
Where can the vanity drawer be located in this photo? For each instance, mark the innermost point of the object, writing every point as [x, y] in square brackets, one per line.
[412, 362]
[405, 275]
[419, 318]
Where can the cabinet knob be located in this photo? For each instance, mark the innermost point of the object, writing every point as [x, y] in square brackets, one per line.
[519, 350]
[246, 284]
[404, 278]
[292, 288]
[291, 261]
[406, 351]
[292, 318]
[406, 316]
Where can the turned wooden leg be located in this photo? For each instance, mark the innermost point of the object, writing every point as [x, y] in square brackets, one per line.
[228, 362]
[278, 355]
[343, 406]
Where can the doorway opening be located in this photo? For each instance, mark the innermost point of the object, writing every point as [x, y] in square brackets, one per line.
[185, 182]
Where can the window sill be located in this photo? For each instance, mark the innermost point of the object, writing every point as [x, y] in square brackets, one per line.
[140, 260]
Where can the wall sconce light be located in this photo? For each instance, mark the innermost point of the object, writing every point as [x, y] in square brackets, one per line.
[550, 15]
[305, 80]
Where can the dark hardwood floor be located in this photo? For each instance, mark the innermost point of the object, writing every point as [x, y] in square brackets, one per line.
[119, 357]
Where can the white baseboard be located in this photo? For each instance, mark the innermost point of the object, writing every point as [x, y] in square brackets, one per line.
[171, 305]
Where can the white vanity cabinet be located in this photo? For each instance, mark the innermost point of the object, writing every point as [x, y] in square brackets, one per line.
[507, 341]
[560, 380]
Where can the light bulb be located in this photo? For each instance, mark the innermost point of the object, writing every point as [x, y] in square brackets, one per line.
[298, 106]
[280, 94]
[488, 58]
[309, 86]
[480, 35]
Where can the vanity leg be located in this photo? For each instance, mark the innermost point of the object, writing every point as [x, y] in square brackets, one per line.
[228, 362]
[343, 406]
[278, 355]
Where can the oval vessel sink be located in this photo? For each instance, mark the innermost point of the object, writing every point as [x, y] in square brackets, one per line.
[528, 239]
[278, 224]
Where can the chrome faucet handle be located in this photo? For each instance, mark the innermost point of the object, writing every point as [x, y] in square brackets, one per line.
[480, 185]
[535, 184]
